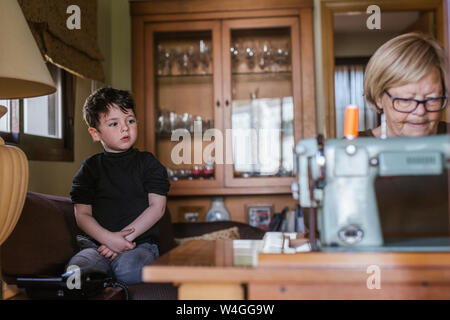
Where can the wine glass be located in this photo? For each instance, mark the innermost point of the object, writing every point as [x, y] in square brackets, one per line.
[205, 55]
[282, 56]
[236, 53]
[250, 55]
[286, 61]
[187, 123]
[175, 121]
[165, 57]
[193, 58]
[163, 121]
[265, 55]
[182, 58]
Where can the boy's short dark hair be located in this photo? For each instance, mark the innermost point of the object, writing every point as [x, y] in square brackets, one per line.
[101, 100]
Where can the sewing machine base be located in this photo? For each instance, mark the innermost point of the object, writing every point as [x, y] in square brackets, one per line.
[399, 245]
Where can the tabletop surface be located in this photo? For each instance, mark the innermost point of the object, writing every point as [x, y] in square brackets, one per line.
[221, 261]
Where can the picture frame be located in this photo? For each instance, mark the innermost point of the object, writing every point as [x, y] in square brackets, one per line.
[260, 215]
[191, 214]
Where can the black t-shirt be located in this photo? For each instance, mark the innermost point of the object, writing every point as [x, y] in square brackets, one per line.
[117, 185]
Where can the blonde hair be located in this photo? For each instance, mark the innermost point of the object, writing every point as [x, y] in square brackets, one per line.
[402, 60]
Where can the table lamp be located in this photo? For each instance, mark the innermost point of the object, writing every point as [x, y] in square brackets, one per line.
[23, 74]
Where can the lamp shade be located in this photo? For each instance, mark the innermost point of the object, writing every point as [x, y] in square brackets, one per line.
[23, 72]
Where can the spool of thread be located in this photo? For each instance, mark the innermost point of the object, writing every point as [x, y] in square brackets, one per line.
[351, 122]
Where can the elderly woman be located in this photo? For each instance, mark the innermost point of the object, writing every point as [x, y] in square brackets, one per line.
[407, 80]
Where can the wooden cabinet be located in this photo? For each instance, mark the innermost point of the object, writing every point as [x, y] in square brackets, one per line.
[223, 91]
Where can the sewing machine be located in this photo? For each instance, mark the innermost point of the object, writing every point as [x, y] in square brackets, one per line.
[336, 178]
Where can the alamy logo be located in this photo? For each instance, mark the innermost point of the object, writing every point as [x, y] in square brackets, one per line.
[374, 20]
[374, 280]
[74, 20]
[182, 152]
[74, 279]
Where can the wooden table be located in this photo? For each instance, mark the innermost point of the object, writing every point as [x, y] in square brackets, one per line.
[205, 270]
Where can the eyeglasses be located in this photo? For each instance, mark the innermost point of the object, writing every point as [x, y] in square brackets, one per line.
[409, 105]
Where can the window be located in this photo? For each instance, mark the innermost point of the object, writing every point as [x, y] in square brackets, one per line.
[43, 126]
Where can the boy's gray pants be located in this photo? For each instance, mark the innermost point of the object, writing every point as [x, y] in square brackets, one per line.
[126, 267]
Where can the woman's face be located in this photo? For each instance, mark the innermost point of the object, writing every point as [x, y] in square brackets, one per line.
[419, 122]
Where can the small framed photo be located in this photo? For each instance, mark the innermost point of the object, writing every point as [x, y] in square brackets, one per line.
[191, 214]
[259, 215]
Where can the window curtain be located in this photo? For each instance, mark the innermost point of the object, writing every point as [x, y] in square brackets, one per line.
[349, 89]
[74, 50]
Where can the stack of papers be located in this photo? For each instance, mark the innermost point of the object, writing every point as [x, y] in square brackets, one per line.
[245, 252]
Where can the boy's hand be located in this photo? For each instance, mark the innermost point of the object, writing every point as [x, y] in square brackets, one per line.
[117, 242]
[107, 252]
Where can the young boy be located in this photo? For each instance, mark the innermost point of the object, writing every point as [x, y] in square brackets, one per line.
[119, 195]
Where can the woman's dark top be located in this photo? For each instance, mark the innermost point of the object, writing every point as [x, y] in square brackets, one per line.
[413, 206]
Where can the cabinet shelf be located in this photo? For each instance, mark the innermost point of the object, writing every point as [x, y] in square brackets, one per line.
[183, 76]
[183, 79]
[261, 76]
[268, 78]
[195, 75]
[186, 191]
[266, 73]
[168, 136]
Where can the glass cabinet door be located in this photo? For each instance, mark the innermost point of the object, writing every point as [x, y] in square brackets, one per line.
[260, 62]
[185, 101]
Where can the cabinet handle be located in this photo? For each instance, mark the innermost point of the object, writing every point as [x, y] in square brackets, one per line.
[227, 103]
[218, 103]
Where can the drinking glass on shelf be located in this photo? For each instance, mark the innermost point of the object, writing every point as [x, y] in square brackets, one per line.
[171, 174]
[182, 59]
[187, 60]
[265, 55]
[208, 170]
[188, 174]
[205, 56]
[282, 57]
[163, 121]
[236, 52]
[186, 122]
[194, 60]
[197, 172]
[159, 124]
[286, 60]
[165, 57]
[161, 58]
[183, 174]
[175, 121]
[277, 59]
[250, 55]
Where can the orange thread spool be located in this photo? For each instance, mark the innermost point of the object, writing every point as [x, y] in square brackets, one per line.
[351, 122]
